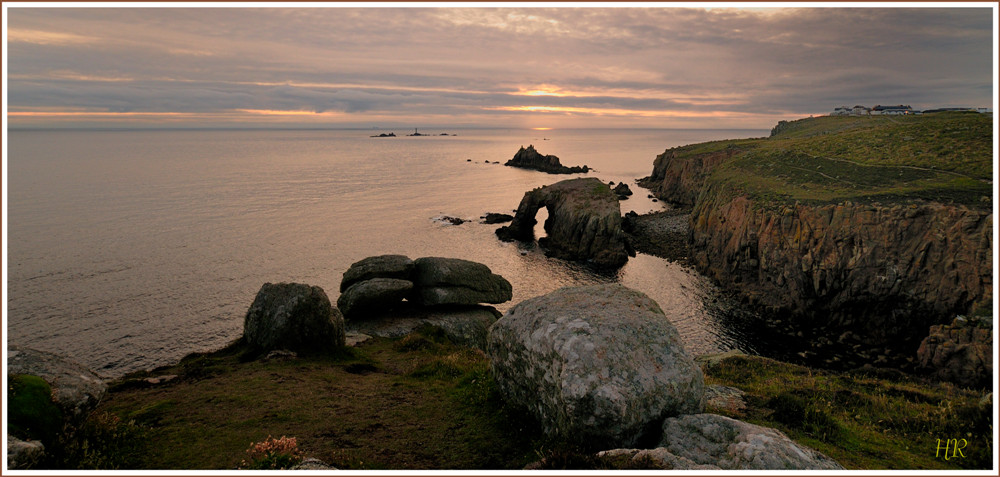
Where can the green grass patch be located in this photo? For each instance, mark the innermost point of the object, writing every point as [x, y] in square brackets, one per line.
[31, 414]
[863, 419]
[944, 157]
[419, 402]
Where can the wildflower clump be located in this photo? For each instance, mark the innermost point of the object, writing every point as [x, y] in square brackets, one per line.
[272, 454]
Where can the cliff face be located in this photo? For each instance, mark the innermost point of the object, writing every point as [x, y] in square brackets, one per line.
[584, 222]
[678, 179]
[883, 272]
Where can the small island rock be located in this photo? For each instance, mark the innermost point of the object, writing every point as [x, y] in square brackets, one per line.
[531, 159]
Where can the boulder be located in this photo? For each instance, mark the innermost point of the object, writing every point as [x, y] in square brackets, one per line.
[531, 159]
[658, 458]
[961, 352]
[622, 191]
[373, 295]
[76, 390]
[596, 365]
[584, 223]
[710, 439]
[495, 218]
[381, 266]
[463, 325]
[293, 316]
[453, 281]
[23, 454]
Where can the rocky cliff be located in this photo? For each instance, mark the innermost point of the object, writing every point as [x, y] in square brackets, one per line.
[584, 223]
[814, 229]
[881, 272]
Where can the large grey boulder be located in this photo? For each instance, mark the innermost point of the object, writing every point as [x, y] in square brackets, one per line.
[453, 281]
[729, 444]
[372, 295]
[463, 325]
[76, 390]
[597, 365]
[381, 266]
[293, 316]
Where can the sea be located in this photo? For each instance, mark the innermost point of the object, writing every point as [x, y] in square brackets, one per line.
[129, 249]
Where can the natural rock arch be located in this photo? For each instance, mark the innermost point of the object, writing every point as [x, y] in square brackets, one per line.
[584, 222]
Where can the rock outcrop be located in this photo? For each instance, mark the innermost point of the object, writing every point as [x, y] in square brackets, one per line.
[453, 281]
[679, 176]
[48, 398]
[622, 191]
[381, 266]
[584, 222]
[372, 295]
[884, 273]
[961, 352]
[293, 316]
[377, 284]
[463, 325]
[531, 159]
[729, 444]
[598, 365]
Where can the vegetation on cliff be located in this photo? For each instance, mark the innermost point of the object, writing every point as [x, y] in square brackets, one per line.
[942, 157]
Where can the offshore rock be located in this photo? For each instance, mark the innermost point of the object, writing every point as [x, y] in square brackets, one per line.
[372, 295]
[76, 390]
[622, 191]
[453, 281]
[584, 222]
[961, 352]
[293, 316]
[531, 159]
[597, 365]
[495, 218]
[729, 444]
[381, 266]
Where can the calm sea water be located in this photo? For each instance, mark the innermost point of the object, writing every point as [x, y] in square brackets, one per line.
[130, 249]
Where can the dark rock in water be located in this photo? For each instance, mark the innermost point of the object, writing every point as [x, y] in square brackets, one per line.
[597, 365]
[381, 266]
[463, 325]
[468, 160]
[584, 222]
[452, 220]
[372, 295]
[961, 352]
[622, 191]
[494, 218]
[386, 135]
[453, 281]
[293, 316]
[531, 159]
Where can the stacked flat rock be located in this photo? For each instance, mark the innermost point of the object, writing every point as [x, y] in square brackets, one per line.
[597, 365]
[380, 283]
[294, 317]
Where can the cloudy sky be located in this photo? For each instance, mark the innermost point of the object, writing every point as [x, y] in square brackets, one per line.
[509, 67]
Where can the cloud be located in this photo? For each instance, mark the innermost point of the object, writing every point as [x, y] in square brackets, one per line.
[377, 63]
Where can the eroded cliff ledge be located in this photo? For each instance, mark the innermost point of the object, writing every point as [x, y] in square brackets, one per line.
[867, 228]
[584, 222]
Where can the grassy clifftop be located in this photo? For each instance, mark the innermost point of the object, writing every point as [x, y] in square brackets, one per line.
[943, 157]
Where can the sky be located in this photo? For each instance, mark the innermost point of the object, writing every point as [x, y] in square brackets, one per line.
[438, 66]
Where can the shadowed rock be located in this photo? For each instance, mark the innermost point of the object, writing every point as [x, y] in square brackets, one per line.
[598, 365]
[381, 266]
[584, 222]
[531, 159]
[371, 295]
[293, 316]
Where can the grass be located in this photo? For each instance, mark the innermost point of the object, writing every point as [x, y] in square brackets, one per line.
[942, 157]
[421, 402]
[415, 403]
[862, 419]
